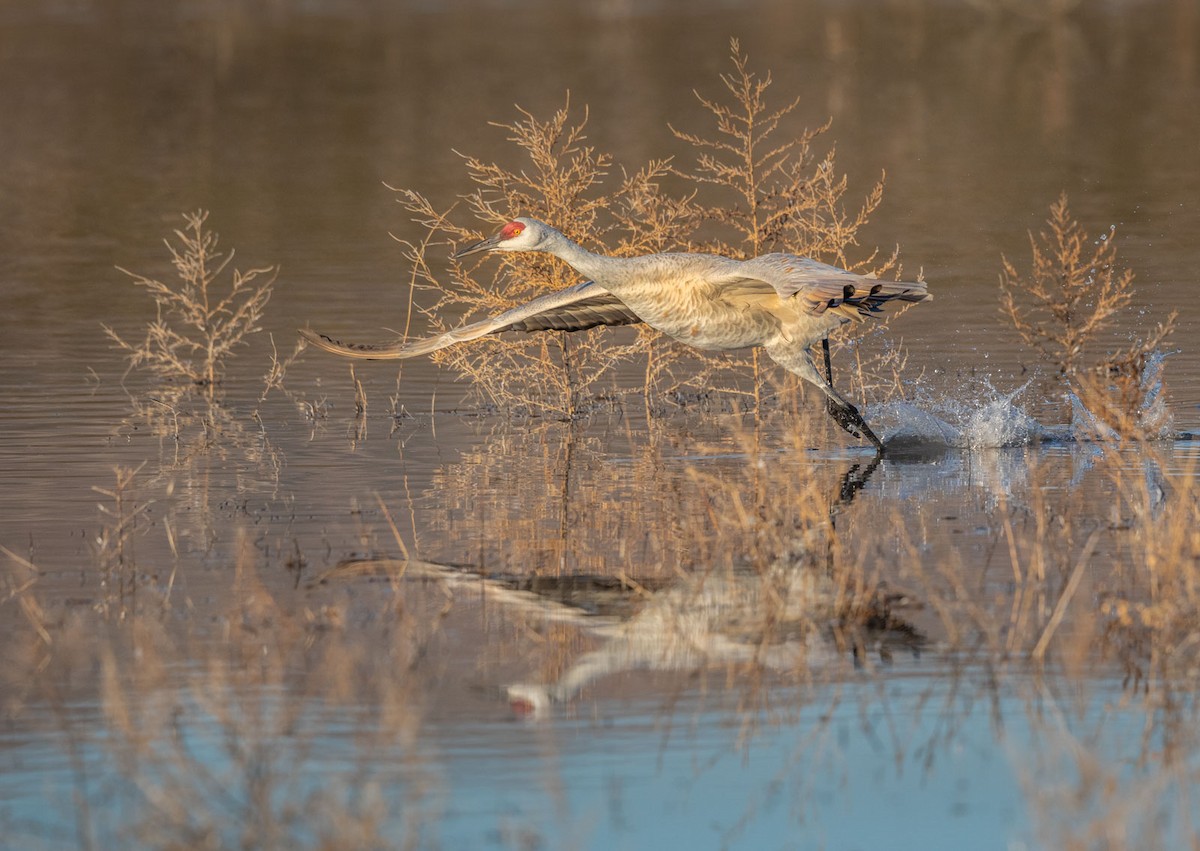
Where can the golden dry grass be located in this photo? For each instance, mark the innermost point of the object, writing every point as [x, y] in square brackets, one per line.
[199, 321]
[753, 190]
[753, 565]
[1066, 307]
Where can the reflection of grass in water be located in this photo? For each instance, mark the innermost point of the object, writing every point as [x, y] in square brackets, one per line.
[114, 546]
[1151, 605]
[768, 549]
[282, 732]
[740, 562]
[257, 761]
[1086, 790]
[552, 501]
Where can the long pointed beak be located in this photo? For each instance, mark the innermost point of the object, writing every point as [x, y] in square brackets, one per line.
[485, 245]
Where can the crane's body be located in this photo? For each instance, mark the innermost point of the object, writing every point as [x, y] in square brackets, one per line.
[677, 295]
[780, 302]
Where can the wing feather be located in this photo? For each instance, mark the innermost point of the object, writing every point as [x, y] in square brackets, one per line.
[575, 308]
[821, 287]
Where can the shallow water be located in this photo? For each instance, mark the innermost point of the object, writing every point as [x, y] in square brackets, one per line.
[573, 656]
[816, 770]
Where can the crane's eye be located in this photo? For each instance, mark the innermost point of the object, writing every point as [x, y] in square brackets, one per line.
[511, 229]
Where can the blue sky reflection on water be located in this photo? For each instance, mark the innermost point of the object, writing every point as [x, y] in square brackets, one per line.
[921, 769]
[808, 782]
[857, 773]
[290, 124]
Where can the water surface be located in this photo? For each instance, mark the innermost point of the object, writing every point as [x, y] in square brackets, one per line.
[326, 684]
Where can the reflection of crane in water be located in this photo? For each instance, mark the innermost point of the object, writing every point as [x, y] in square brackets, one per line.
[789, 614]
[785, 618]
[780, 302]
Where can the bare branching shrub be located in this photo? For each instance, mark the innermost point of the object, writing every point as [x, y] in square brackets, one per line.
[561, 184]
[201, 318]
[1071, 293]
[198, 320]
[1064, 307]
[752, 194]
[769, 194]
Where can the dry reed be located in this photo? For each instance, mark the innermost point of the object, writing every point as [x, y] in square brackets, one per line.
[1067, 304]
[198, 321]
[753, 192]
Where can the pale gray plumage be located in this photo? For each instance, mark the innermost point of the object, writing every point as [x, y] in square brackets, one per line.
[575, 308]
[780, 302]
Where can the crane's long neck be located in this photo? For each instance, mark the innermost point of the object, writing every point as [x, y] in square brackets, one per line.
[598, 267]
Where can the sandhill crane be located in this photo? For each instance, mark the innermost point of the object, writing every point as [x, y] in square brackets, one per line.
[780, 302]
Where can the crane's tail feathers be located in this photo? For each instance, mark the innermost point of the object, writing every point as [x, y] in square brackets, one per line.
[398, 349]
[859, 303]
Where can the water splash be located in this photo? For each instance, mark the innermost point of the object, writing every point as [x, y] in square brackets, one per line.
[983, 417]
[904, 424]
[1084, 422]
[1001, 423]
[1154, 411]
[990, 420]
[1153, 419]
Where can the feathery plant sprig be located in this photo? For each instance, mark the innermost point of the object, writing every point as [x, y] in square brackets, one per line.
[1070, 294]
[198, 321]
[750, 194]
[784, 198]
[1064, 306]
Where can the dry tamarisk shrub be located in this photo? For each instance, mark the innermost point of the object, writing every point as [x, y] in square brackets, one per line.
[1066, 306]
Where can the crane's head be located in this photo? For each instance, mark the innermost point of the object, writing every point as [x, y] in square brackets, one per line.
[521, 234]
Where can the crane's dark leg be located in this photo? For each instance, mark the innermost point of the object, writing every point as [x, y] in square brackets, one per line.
[844, 414]
[848, 417]
[830, 405]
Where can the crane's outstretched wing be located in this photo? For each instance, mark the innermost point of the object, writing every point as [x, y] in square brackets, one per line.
[576, 308]
[821, 287]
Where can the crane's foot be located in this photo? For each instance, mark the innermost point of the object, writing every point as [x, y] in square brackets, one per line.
[848, 417]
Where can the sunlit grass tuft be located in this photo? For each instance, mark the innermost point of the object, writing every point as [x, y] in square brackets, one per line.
[1067, 306]
[752, 189]
[199, 319]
